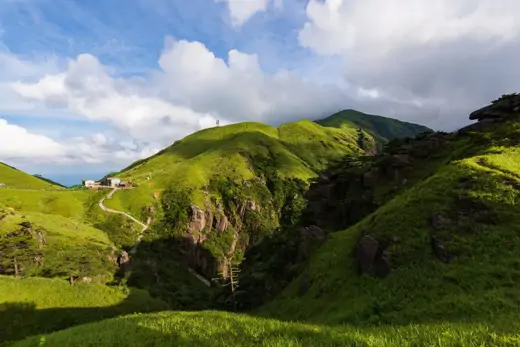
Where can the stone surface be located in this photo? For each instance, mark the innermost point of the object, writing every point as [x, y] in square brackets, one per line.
[367, 249]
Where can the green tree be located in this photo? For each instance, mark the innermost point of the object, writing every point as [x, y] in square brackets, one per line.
[18, 250]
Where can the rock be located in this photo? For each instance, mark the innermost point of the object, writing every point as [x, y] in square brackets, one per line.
[198, 219]
[222, 223]
[504, 107]
[439, 249]
[251, 205]
[367, 249]
[401, 160]
[369, 179]
[439, 222]
[382, 265]
[86, 279]
[124, 261]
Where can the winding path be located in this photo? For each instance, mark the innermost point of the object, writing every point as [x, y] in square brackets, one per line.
[145, 227]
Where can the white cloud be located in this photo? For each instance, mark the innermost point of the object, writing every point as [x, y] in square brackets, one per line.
[192, 89]
[242, 10]
[447, 57]
[17, 142]
[18, 145]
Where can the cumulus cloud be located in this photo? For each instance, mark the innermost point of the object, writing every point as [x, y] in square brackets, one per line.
[19, 145]
[446, 56]
[191, 90]
[242, 10]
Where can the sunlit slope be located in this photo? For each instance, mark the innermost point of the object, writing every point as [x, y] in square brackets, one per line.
[12, 177]
[207, 328]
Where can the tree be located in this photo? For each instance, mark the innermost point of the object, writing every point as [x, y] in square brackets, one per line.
[18, 249]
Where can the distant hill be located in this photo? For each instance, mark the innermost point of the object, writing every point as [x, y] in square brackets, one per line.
[12, 177]
[382, 128]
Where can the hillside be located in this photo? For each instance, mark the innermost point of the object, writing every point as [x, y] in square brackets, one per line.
[416, 246]
[216, 192]
[381, 128]
[443, 248]
[14, 178]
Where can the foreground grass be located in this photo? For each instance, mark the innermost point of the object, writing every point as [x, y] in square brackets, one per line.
[225, 329]
[30, 306]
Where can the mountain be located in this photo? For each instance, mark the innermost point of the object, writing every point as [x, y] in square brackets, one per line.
[220, 190]
[415, 246]
[12, 177]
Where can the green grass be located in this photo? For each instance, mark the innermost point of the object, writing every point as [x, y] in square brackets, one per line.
[12, 177]
[480, 284]
[382, 128]
[30, 306]
[63, 203]
[225, 329]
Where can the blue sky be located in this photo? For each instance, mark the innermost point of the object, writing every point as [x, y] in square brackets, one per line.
[90, 86]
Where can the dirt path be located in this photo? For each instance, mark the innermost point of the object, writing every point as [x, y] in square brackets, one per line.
[145, 227]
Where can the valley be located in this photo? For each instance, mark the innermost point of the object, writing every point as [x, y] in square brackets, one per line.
[353, 230]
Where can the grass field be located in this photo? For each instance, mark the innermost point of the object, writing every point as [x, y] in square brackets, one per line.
[12, 177]
[225, 329]
[64, 203]
[31, 306]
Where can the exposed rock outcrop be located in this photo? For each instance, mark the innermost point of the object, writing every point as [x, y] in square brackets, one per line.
[373, 258]
[503, 109]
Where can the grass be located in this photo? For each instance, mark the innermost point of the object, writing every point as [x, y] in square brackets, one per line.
[64, 203]
[30, 306]
[12, 177]
[381, 128]
[211, 328]
[480, 284]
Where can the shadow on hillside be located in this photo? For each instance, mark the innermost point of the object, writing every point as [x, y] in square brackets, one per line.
[22, 319]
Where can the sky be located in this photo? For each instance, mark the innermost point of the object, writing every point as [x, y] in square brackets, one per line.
[88, 87]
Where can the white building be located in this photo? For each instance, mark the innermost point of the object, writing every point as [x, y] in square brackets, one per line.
[114, 182]
[89, 183]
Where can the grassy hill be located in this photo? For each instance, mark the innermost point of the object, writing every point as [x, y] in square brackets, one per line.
[381, 128]
[30, 306]
[227, 187]
[451, 241]
[15, 178]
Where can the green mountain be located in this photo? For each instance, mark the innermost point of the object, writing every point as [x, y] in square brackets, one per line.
[380, 127]
[220, 190]
[13, 178]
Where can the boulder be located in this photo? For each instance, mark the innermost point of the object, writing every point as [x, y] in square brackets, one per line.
[367, 249]
[373, 258]
[222, 223]
[197, 219]
[505, 107]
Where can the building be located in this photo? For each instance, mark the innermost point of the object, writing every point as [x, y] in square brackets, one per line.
[125, 185]
[89, 183]
[113, 182]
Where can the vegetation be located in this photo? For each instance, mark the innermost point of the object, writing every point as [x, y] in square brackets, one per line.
[12, 177]
[225, 329]
[30, 306]
[471, 204]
